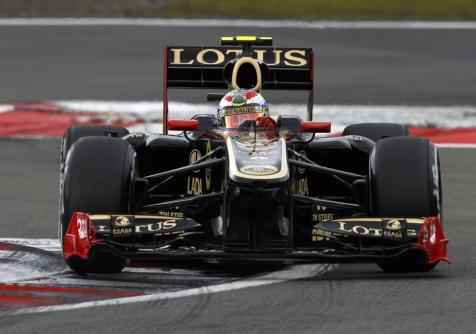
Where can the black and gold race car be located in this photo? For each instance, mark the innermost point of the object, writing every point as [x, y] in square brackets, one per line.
[215, 192]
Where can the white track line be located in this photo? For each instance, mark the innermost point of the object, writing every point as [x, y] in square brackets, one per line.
[206, 23]
[291, 273]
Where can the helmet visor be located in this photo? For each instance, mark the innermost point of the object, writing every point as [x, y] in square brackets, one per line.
[233, 117]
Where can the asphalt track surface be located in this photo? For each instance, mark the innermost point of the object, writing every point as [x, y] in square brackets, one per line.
[357, 298]
[353, 66]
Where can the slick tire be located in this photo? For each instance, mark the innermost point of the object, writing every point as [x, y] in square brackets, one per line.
[75, 132]
[98, 178]
[376, 131]
[405, 182]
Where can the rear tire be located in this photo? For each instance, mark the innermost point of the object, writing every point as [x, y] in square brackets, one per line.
[98, 178]
[405, 182]
[376, 131]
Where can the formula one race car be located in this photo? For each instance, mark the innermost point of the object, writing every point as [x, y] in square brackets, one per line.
[241, 186]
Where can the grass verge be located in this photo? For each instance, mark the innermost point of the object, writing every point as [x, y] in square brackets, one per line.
[251, 9]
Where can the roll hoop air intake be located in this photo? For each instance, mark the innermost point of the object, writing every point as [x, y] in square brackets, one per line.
[246, 42]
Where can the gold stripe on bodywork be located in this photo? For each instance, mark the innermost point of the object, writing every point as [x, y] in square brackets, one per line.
[409, 220]
[103, 217]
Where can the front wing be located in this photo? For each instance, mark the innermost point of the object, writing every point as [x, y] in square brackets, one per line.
[155, 237]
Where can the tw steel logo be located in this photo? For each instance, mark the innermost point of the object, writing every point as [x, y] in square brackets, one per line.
[218, 56]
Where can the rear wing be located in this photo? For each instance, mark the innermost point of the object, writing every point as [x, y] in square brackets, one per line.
[203, 67]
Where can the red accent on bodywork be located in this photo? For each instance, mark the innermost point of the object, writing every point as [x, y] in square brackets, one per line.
[432, 240]
[183, 124]
[165, 101]
[79, 237]
[316, 127]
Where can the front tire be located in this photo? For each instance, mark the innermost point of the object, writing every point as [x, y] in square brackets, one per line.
[376, 131]
[98, 178]
[74, 133]
[405, 182]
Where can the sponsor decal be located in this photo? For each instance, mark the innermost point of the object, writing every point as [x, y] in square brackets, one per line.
[238, 111]
[82, 224]
[299, 183]
[208, 171]
[217, 56]
[301, 170]
[321, 214]
[121, 225]
[195, 155]
[392, 232]
[157, 227]
[122, 230]
[320, 234]
[393, 225]
[194, 184]
[259, 169]
[121, 221]
[173, 214]
[299, 186]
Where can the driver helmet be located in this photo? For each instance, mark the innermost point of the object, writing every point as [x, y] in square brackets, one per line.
[239, 106]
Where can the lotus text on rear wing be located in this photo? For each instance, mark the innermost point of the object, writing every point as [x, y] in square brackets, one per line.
[217, 56]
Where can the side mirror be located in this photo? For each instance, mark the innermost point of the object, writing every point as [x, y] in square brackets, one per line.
[295, 125]
[315, 127]
[289, 123]
[183, 124]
